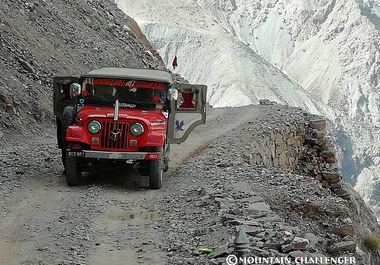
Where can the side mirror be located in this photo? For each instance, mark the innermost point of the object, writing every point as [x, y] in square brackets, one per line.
[173, 94]
[75, 90]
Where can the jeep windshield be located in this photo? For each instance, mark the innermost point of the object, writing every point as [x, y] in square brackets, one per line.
[131, 94]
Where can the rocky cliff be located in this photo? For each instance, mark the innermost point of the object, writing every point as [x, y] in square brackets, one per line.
[43, 39]
[273, 177]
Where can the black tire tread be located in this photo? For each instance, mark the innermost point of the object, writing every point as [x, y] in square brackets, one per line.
[73, 170]
[156, 168]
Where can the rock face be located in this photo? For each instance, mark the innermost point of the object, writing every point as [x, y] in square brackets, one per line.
[43, 39]
[300, 145]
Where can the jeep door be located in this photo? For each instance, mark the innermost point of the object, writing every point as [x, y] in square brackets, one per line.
[187, 112]
[61, 94]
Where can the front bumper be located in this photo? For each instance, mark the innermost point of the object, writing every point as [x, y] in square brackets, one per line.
[114, 155]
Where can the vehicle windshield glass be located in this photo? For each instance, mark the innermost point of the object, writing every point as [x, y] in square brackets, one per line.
[131, 94]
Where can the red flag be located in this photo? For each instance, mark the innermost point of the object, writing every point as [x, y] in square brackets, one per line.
[175, 62]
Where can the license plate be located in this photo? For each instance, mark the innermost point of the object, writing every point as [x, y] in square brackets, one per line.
[75, 154]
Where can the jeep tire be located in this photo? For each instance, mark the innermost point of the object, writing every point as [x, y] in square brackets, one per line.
[166, 164]
[73, 169]
[166, 158]
[156, 171]
[68, 119]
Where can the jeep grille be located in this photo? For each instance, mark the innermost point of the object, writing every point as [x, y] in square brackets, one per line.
[114, 135]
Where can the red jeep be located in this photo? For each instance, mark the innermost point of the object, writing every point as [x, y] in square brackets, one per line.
[124, 115]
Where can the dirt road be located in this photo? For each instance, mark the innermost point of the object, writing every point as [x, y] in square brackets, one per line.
[111, 219]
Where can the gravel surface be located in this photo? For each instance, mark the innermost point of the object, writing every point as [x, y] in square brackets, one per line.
[209, 193]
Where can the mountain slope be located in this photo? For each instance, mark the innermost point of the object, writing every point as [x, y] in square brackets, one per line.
[319, 55]
[43, 39]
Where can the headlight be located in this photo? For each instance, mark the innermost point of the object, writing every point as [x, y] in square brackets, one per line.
[94, 127]
[137, 129]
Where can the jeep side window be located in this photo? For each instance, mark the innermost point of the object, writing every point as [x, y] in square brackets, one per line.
[65, 92]
[90, 89]
[186, 100]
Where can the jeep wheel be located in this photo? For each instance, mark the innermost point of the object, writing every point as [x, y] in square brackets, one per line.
[166, 158]
[73, 170]
[166, 164]
[155, 174]
[68, 119]
[156, 171]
